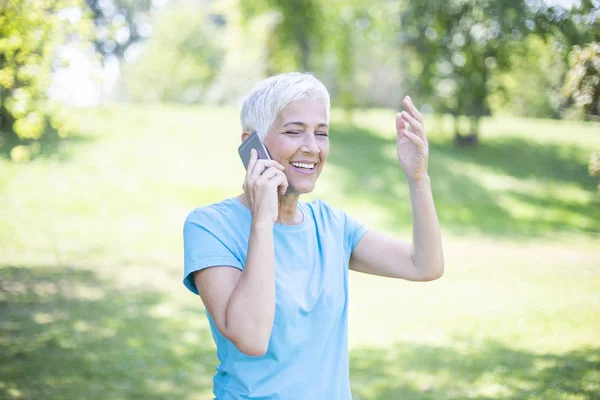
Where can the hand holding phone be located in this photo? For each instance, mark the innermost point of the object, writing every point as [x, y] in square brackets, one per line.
[265, 179]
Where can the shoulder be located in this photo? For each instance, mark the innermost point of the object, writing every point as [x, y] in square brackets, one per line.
[324, 213]
[338, 222]
[214, 215]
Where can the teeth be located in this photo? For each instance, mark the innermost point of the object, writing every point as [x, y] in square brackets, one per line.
[302, 165]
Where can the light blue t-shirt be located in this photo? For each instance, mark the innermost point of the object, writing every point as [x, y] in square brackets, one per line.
[307, 357]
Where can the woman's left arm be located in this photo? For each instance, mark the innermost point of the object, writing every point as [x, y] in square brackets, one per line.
[423, 260]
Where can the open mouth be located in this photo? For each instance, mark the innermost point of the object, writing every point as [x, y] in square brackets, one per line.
[304, 167]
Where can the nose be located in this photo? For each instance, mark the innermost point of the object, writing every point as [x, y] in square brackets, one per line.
[310, 145]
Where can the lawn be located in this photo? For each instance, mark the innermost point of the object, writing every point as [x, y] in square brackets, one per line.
[92, 304]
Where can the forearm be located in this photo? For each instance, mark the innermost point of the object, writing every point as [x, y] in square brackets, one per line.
[427, 239]
[251, 307]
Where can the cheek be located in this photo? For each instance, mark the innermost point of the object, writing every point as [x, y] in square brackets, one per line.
[324, 151]
[282, 145]
[276, 149]
[286, 152]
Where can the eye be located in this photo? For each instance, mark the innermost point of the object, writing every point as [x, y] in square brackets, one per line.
[292, 132]
[322, 134]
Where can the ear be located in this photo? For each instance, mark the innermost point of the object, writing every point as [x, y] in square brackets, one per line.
[245, 135]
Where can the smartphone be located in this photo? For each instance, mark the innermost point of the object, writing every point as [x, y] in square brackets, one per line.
[252, 142]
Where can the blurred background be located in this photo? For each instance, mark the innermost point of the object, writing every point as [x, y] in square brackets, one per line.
[118, 117]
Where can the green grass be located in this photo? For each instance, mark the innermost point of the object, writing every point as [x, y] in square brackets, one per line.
[93, 307]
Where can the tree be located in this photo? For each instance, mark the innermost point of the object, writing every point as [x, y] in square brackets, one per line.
[119, 24]
[532, 87]
[319, 36]
[573, 27]
[31, 33]
[296, 35]
[582, 84]
[460, 44]
[181, 59]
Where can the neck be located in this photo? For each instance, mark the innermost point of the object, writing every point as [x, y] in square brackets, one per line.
[289, 214]
[288, 210]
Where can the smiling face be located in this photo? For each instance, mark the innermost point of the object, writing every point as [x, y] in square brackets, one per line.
[299, 140]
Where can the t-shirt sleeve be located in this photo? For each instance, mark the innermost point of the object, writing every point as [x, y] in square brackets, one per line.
[354, 231]
[204, 245]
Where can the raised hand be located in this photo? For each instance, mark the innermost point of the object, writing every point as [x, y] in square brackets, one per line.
[411, 142]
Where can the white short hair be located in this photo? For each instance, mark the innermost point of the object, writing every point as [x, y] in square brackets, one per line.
[273, 94]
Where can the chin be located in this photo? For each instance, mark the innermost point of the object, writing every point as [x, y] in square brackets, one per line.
[300, 189]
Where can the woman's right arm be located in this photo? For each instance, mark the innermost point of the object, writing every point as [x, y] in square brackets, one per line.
[242, 303]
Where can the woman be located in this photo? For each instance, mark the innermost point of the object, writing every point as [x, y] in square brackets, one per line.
[272, 271]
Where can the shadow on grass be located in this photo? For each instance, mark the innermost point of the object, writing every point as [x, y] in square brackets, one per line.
[51, 145]
[67, 333]
[524, 159]
[482, 371]
[465, 206]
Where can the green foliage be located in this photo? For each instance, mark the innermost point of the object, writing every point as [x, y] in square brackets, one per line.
[582, 84]
[577, 26]
[31, 32]
[119, 23]
[532, 87]
[459, 44]
[182, 57]
[328, 38]
[471, 53]
[245, 62]
[355, 43]
[296, 35]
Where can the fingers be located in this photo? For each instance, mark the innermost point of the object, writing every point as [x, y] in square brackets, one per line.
[251, 162]
[413, 138]
[416, 126]
[403, 122]
[254, 161]
[408, 104]
[263, 171]
[282, 183]
[258, 167]
[400, 124]
[275, 177]
[268, 174]
[283, 188]
[261, 167]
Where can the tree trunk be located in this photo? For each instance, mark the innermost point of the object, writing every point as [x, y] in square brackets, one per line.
[475, 125]
[8, 139]
[304, 45]
[466, 140]
[470, 139]
[271, 50]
